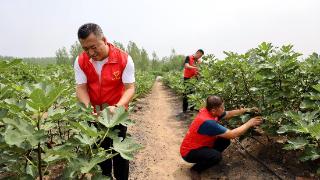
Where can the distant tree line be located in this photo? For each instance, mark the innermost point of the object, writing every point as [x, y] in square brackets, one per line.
[143, 61]
[65, 57]
[34, 60]
[139, 55]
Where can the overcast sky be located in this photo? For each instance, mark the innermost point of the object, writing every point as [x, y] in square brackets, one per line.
[39, 27]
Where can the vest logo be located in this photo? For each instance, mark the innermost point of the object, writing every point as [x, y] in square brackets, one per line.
[116, 75]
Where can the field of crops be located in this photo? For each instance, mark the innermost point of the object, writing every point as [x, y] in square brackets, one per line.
[277, 80]
[42, 125]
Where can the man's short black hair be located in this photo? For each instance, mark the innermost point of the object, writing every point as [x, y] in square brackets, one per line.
[86, 29]
[214, 102]
[200, 50]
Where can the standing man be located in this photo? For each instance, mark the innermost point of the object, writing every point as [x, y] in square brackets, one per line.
[104, 75]
[206, 139]
[190, 71]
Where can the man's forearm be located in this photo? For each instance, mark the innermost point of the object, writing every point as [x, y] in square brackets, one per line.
[83, 96]
[233, 113]
[240, 130]
[126, 97]
[231, 134]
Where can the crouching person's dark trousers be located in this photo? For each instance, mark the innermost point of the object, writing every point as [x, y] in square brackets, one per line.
[206, 157]
[120, 165]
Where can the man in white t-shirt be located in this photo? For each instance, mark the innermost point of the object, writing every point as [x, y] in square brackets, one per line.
[104, 75]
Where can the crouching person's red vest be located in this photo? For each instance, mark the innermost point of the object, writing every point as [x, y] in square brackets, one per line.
[110, 88]
[194, 140]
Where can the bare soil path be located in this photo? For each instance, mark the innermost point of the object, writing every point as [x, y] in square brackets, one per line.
[160, 131]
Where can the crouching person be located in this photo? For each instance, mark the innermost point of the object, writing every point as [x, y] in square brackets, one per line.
[206, 139]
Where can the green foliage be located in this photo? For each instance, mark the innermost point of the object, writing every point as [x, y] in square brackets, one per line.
[173, 62]
[32, 60]
[4, 65]
[41, 123]
[284, 87]
[109, 121]
[119, 45]
[174, 80]
[62, 56]
[144, 63]
[126, 147]
[144, 83]
[75, 50]
[139, 56]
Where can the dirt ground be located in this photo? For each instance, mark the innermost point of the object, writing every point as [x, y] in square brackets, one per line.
[160, 130]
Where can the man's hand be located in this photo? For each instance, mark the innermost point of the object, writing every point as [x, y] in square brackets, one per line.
[96, 115]
[231, 134]
[241, 111]
[250, 110]
[255, 121]
[112, 109]
[253, 109]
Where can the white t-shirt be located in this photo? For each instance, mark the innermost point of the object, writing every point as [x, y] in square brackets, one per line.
[127, 75]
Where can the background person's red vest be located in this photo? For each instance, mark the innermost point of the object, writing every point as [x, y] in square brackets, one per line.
[194, 140]
[189, 73]
[110, 88]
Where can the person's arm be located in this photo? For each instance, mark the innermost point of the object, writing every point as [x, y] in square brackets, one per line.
[82, 94]
[125, 98]
[187, 64]
[81, 87]
[128, 79]
[211, 128]
[238, 112]
[231, 134]
[128, 95]
[233, 113]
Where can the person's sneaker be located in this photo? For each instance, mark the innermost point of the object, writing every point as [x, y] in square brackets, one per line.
[195, 175]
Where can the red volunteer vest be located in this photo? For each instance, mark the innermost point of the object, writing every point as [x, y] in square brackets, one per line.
[110, 88]
[194, 140]
[189, 73]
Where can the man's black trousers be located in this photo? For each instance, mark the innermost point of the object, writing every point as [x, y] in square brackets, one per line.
[188, 89]
[120, 165]
[206, 157]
